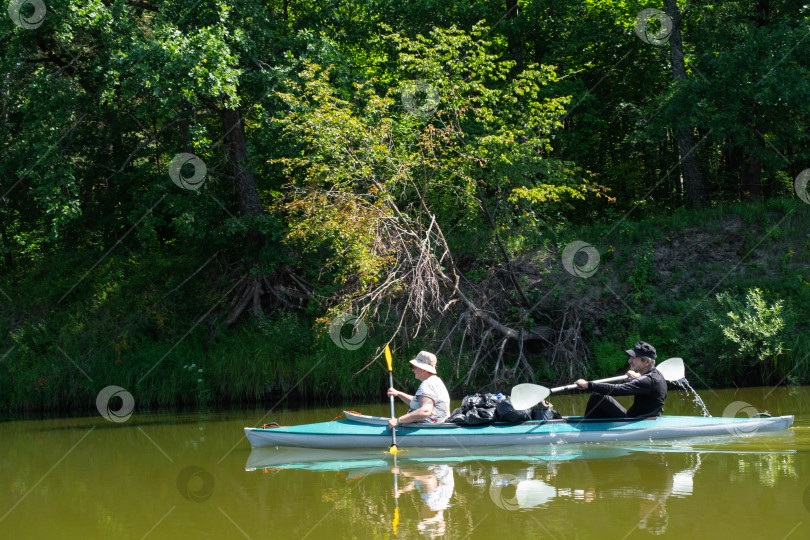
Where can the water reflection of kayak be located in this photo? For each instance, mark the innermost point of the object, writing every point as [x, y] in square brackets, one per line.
[369, 461]
[361, 431]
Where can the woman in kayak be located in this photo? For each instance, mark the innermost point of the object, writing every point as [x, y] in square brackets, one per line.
[435, 486]
[645, 382]
[431, 403]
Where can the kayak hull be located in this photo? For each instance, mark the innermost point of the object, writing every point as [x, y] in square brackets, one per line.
[360, 431]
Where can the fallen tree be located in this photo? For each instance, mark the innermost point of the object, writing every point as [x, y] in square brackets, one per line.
[381, 179]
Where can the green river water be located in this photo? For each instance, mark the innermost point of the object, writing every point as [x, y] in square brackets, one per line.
[193, 475]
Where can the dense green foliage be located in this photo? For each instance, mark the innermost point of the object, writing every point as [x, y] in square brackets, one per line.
[753, 329]
[421, 163]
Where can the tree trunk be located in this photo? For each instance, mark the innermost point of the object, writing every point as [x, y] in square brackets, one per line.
[244, 182]
[751, 176]
[3, 121]
[7, 259]
[751, 166]
[515, 38]
[692, 175]
[280, 288]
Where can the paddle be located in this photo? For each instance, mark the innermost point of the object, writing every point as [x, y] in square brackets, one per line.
[672, 370]
[393, 449]
[527, 395]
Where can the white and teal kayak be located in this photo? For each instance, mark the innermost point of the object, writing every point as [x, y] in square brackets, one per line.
[362, 431]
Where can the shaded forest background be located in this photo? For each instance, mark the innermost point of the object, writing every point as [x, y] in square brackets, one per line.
[217, 201]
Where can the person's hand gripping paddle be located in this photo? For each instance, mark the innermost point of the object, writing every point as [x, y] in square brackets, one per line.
[393, 448]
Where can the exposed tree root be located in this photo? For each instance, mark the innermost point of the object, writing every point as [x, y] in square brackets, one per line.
[424, 284]
[265, 294]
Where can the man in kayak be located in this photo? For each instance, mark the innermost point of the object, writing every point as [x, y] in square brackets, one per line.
[431, 403]
[645, 382]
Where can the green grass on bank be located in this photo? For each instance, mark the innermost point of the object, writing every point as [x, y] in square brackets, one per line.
[672, 280]
[727, 289]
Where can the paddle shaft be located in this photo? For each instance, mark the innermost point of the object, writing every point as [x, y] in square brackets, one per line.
[390, 363]
[393, 415]
[672, 370]
[527, 395]
[574, 386]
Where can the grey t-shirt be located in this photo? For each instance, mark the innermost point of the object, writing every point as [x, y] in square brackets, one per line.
[433, 388]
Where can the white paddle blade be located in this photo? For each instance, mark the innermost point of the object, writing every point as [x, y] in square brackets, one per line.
[526, 395]
[672, 369]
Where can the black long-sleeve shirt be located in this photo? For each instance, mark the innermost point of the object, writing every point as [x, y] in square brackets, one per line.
[650, 390]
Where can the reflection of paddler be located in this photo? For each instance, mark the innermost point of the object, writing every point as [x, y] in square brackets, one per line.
[435, 487]
[646, 477]
[654, 489]
[653, 510]
[653, 516]
[637, 473]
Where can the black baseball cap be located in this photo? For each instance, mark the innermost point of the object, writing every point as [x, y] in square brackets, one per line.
[642, 349]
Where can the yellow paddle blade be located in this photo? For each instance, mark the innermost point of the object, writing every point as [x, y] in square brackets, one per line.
[388, 358]
[393, 449]
[396, 519]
